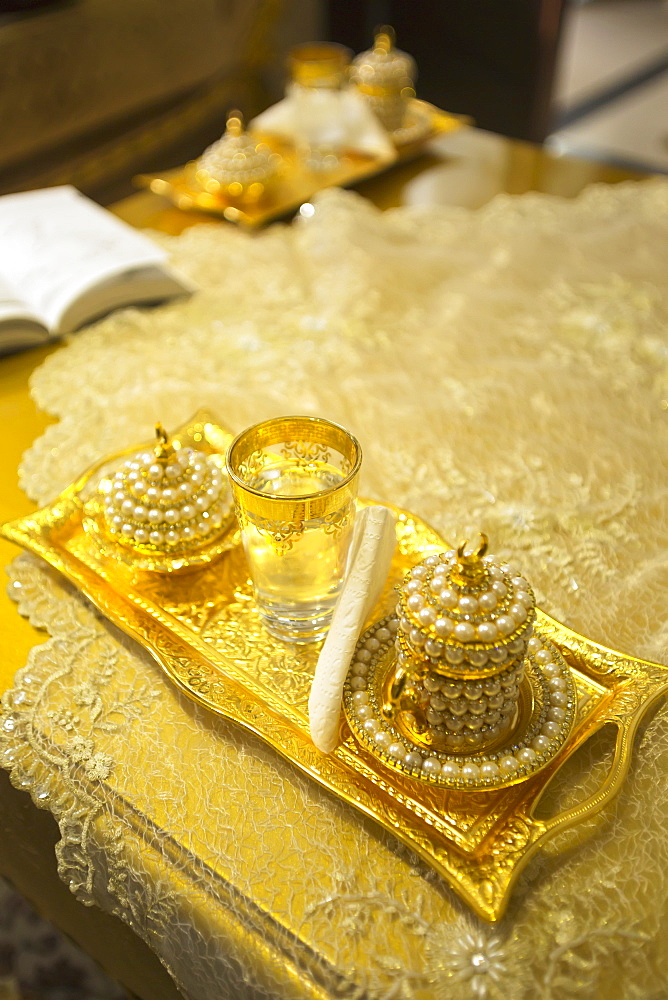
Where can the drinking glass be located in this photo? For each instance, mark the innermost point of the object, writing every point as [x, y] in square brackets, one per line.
[294, 482]
[318, 71]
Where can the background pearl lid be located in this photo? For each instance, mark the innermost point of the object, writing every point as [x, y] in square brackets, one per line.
[237, 158]
[383, 68]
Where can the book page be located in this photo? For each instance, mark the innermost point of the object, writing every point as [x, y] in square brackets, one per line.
[11, 306]
[19, 327]
[140, 286]
[56, 244]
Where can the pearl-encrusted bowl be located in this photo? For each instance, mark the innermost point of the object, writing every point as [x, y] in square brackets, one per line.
[163, 509]
[237, 166]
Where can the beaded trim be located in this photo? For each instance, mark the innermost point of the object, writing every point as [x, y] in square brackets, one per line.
[516, 760]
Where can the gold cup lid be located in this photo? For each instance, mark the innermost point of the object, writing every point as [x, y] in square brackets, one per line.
[465, 610]
[236, 160]
[383, 67]
[166, 499]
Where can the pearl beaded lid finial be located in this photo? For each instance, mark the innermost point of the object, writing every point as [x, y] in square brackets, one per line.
[384, 39]
[235, 124]
[470, 567]
[164, 448]
[166, 500]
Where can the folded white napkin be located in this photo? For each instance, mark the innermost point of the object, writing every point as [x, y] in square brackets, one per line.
[340, 119]
[373, 547]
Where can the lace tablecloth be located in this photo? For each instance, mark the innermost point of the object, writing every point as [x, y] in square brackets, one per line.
[505, 369]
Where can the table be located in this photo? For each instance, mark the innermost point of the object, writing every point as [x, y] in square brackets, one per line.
[514, 167]
[517, 167]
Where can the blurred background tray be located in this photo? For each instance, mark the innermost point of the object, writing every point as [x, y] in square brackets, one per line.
[297, 183]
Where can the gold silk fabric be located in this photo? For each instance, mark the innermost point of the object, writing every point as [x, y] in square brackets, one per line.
[505, 370]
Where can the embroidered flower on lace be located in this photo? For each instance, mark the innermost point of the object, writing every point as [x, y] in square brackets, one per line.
[79, 749]
[85, 695]
[95, 763]
[98, 765]
[475, 965]
[63, 718]
[477, 962]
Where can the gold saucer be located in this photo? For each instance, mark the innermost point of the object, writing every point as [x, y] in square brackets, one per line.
[397, 744]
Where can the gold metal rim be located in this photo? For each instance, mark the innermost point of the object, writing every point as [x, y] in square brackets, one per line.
[262, 438]
[319, 63]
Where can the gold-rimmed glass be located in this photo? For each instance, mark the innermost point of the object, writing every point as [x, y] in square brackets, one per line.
[294, 481]
[319, 64]
[318, 71]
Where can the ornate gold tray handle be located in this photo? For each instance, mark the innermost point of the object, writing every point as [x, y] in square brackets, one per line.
[632, 687]
[480, 841]
[204, 632]
[623, 691]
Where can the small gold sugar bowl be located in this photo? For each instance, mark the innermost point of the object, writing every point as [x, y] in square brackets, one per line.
[385, 77]
[163, 509]
[464, 624]
[237, 166]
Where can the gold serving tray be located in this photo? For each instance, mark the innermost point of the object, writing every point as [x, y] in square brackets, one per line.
[296, 183]
[204, 631]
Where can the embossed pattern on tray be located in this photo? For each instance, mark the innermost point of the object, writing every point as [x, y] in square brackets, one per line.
[204, 631]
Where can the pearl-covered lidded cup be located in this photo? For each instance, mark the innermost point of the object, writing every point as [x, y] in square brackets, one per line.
[464, 623]
[385, 77]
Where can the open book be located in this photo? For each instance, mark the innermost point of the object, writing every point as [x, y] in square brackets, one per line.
[65, 261]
